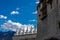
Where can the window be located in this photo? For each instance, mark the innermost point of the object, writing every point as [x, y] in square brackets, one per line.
[50, 2]
[41, 1]
[59, 25]
[43, 11]
[57, 2]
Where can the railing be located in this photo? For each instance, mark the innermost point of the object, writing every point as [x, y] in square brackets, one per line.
[24, 32]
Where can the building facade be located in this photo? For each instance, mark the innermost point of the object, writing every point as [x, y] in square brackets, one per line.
[48, 20]
[25, 37]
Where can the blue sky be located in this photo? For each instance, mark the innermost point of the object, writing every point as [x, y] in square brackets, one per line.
[22, 11]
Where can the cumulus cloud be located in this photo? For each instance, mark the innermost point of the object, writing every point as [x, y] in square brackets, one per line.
[18, 27]
[3, 17]
[14, 12]
[37, 2]
[32, 20]
[35, 12]
[17, 8]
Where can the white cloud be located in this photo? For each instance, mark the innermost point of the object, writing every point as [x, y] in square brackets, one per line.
[37, 2]
[3, 17]
[9, 21]
[35, 12]
[17, 8]
[9, 25]
[14, 12]
[32, 20]
[17, 27]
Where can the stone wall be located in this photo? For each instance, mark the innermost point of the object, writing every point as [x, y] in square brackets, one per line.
[49, 27]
